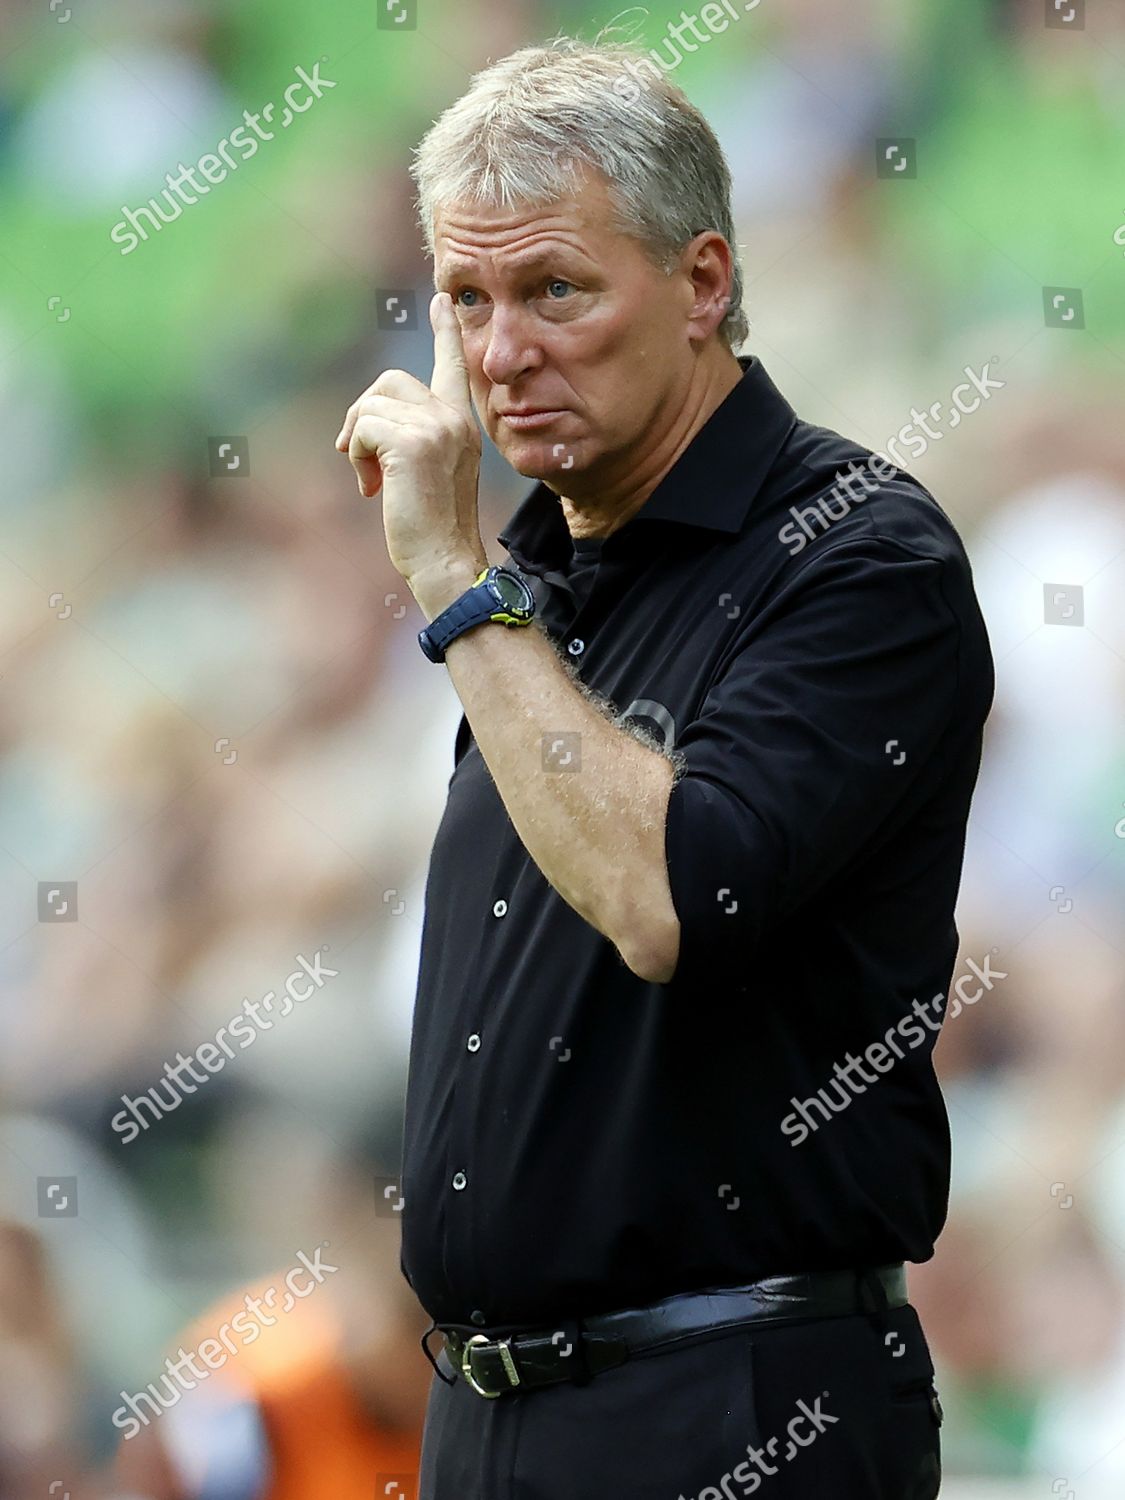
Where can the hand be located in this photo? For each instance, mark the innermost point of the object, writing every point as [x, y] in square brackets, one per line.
[421, 446]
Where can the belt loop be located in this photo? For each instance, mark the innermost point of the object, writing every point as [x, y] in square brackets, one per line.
[870, 1283]
[871, 1288]
[570, 1331]
[426, 1351]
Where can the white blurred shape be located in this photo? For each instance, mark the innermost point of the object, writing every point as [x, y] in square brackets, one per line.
[114, 123]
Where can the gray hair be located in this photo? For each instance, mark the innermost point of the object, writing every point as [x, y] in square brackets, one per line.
[528, 125]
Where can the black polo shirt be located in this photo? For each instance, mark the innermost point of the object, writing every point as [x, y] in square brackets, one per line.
[813, 660]
[583, 567]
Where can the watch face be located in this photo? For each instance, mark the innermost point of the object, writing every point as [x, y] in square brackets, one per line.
[512, 591]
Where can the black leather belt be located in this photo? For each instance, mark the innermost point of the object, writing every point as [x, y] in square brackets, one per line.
[500, 1362]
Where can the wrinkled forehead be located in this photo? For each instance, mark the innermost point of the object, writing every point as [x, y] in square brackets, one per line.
[583, 223]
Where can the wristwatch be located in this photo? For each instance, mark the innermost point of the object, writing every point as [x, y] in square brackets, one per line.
[497, 594]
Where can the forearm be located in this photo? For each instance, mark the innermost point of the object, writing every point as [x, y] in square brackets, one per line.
[587, 798]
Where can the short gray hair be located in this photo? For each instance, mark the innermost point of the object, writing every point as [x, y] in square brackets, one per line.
[527, 126]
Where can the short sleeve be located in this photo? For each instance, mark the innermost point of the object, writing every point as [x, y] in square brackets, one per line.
[812, 735]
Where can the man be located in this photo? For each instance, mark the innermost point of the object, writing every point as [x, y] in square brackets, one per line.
[701, 846]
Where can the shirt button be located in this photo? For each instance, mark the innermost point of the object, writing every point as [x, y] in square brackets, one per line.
[473, 1043]
[576, 647]
[459, 1181]
[477, 1317]
[500, 908]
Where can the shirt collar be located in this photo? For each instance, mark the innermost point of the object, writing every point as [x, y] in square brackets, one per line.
[711, 485]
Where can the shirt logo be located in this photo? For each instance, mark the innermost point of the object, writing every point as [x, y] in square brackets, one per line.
[657, 714]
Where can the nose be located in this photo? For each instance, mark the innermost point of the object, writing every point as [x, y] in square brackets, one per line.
[510, 352]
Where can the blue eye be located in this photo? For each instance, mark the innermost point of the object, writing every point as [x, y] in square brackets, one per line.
[469, 291]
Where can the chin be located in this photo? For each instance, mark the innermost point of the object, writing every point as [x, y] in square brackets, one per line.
[536, 460]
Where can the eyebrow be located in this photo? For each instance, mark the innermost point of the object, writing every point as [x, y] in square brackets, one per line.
[457, 268]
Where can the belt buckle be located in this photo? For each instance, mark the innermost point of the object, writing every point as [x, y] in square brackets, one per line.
[505, 1358]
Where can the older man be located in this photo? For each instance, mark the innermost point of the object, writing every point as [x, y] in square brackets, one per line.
[701, 846]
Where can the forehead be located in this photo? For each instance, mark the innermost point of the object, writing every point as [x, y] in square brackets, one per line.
[510, 241]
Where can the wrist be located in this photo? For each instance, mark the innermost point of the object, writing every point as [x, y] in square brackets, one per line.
[494, 595]
[436, 586]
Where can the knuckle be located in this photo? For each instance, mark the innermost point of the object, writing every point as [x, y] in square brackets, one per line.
[384, 383]
[454, 425]
[363, 433]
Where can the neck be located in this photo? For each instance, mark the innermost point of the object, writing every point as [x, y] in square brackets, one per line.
[677, 420]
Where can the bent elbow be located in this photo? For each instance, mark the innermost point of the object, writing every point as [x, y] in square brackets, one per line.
[655, 962]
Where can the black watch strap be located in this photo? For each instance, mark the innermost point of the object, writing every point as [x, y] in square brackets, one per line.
[478, 604]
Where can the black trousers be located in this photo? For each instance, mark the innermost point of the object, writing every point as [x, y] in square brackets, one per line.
[827, 1409]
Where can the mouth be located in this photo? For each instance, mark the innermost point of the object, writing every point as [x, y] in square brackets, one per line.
[529, 419]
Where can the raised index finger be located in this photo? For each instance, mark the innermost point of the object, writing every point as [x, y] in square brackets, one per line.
[450, 380]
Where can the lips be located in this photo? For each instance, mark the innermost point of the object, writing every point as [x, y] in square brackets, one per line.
[529, 417]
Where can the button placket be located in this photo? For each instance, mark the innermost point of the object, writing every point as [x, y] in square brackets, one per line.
[461, 1246]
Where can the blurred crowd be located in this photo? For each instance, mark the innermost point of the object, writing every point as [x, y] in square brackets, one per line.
[221, 749]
